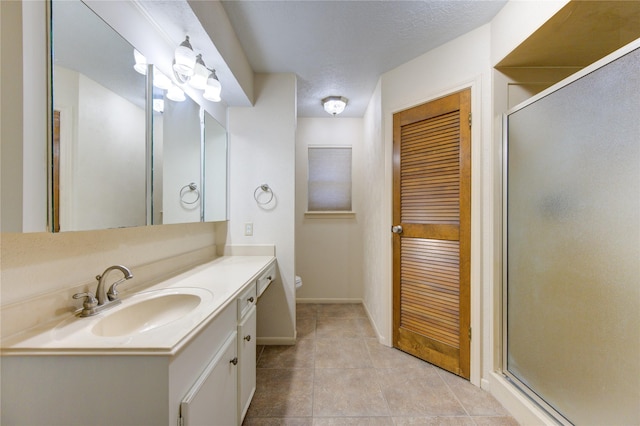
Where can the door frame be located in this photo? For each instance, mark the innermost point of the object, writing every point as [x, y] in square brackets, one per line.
[481, 330]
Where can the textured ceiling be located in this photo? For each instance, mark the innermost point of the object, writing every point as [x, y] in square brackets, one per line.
[342, 47]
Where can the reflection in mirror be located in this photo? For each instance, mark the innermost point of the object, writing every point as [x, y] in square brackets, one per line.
[99, 100]
[177, 192]
[215, 170]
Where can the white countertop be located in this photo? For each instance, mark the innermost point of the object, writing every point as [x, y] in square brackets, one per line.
[217, 282]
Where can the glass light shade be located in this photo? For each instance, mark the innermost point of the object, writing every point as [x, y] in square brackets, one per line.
[200, 74]
[160, 80]
[184, 58]
[175, 94]
[334, 104]
[213, 89]
[141, 62]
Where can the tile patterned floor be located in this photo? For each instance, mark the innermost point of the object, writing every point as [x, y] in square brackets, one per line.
[338, 374]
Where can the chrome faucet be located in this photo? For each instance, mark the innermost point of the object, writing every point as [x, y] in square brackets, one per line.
[91, 305]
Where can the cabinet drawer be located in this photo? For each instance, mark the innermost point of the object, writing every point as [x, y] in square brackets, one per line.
[246, 300]
[266, 278]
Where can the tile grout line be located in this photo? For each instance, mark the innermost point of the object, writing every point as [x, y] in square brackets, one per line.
[375, 369]
[455, 395]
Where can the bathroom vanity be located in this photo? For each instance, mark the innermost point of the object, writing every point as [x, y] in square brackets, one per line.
[182, 352]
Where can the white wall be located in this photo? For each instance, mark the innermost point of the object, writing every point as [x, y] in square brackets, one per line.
[329, 249]
[102, 181]
[374, 208]
[23, 86]
[262, 150]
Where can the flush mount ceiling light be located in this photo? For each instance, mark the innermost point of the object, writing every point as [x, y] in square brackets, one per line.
[334, 105]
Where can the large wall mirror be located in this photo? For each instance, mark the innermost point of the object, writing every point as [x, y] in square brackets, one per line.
[99, 125]
[117, 163]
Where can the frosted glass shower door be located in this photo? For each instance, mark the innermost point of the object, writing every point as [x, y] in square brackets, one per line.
[572, 265]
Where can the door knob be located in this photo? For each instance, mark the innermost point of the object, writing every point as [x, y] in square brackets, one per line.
[397, 229]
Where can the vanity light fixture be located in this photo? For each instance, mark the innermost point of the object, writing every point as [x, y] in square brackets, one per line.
[213, 88]
[190, 68]
[334, 105]
[184, 59]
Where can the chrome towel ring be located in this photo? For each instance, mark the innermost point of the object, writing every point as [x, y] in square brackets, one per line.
[265, 188]
[191, 187]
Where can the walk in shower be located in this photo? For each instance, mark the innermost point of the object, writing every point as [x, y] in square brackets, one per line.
[572, 245]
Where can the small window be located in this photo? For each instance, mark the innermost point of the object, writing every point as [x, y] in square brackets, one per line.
[329, 179]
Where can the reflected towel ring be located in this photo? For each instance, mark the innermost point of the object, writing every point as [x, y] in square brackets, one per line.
[264, 187]
[192, 187]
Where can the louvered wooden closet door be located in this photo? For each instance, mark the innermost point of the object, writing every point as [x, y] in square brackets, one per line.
[432, 189]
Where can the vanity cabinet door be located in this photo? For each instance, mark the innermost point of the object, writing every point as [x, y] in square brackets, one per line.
[213, 398]
[247, 356]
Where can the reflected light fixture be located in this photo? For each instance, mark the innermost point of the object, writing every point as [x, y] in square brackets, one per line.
[334, 105]
[141, 62]
[184, 60]
[175, 94]
[160, 80]
[213, 88]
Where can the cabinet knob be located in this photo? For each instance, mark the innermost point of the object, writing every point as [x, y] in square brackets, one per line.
[234, 361]
[247, 337]
[251, 299]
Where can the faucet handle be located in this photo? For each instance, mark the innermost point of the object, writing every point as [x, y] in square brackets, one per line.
[90, 300]
[112, 294]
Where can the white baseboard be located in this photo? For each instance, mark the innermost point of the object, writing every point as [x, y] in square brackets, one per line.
[270, 341]
[524, 410]
[327, 300]
[381, 339]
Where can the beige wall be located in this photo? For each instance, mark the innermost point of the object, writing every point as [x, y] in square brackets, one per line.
[329, 249]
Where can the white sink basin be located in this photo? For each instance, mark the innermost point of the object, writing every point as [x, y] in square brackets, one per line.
[168, 311]
[146, 314]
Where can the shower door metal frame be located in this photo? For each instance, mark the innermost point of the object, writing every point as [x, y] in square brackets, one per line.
[522, 387]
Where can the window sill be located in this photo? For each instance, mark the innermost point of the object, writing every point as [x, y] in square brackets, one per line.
[330, 215]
